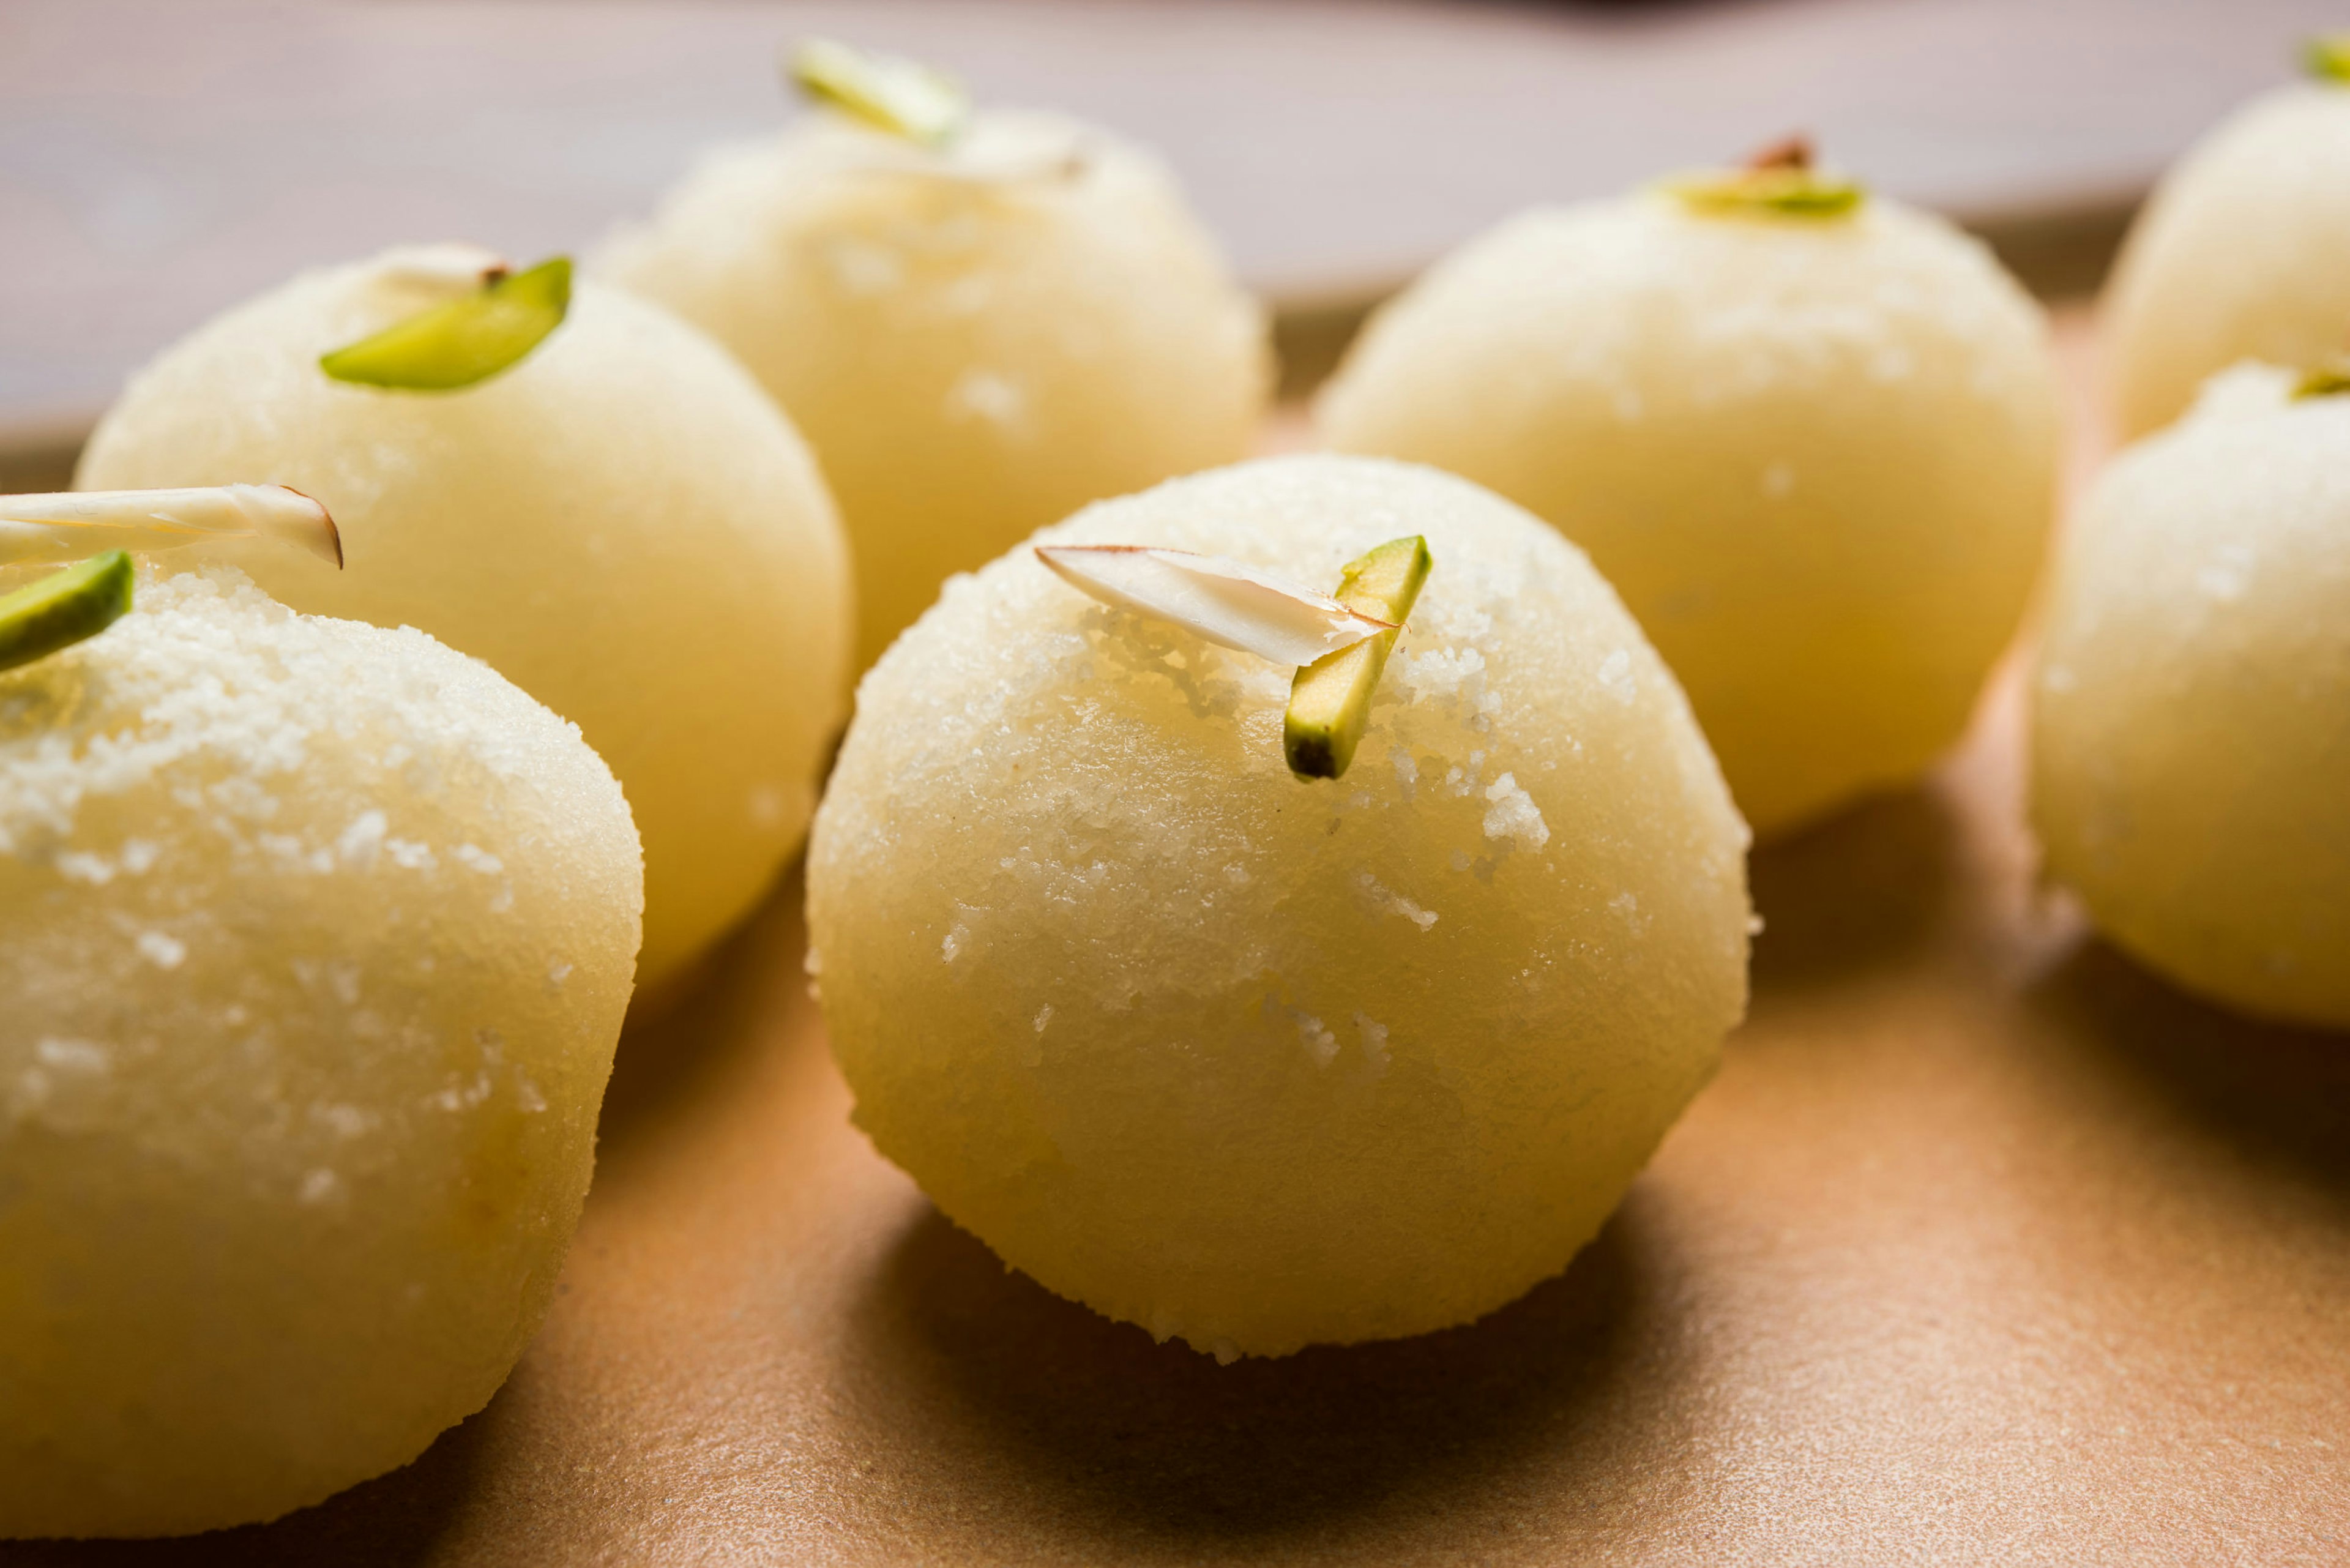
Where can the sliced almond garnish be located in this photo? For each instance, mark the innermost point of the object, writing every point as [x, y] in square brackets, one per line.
[1792, 152]
[68, 526]
[453, 266]
[1218, 599]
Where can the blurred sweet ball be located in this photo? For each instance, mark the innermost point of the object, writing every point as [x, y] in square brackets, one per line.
[1260, 1063]
[314, 941]
[2190, 733]
[611, 513]
[1809, 434]
[982, 318]
[2239, 253]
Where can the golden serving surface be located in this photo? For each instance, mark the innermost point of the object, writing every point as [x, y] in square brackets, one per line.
[1985, 1246]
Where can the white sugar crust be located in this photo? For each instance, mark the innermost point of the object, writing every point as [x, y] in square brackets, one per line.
[2235, 256]
[976, 342]
[1818, 458]
[621, 524]
[315, 941]
[2191, 764]
[1250, 1061]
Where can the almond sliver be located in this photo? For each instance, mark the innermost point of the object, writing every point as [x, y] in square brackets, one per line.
[1216, 598]
[68, 526]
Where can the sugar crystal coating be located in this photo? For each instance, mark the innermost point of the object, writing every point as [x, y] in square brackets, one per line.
[315, 941]
[1818, 457]
[1254, 1061]
[621, 525]
[2236, 255]
[2190, 752]
[977, 342]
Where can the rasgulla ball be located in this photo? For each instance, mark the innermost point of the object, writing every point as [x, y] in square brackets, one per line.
[622, 524]
[315, 939]
[977, 341]
[1256, 1062]
[2238, 254]
[1816, 454]
[2190, 773]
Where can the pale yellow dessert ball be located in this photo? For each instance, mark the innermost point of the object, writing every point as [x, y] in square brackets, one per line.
[2190, 772]
[1816, 455]
[622, 524]
[1254, 1061]
[977, 341]
[315, 939]
[2240, 254]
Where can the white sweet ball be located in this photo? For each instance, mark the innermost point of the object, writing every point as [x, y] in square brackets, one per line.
[1260, 1062]
[1818, 457]
[315, 941]
[975, 349]
[2190, 774]
[2237, 256]
[621, 525]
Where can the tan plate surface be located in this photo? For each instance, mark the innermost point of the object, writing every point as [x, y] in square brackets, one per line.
[1985, 1247]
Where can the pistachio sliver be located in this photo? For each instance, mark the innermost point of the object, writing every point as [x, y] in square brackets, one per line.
[64, 608]
[1779, 181]
[902, 97]
[1781, 192]
[2327, 57]
[1330, 701]
[1220, 600]
[465, 341]
[2328, 379]
[67, 525]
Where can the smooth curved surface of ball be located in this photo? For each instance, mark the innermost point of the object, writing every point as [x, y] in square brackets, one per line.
[315, 941]
[973, 357]
[2236, 256]
[621, 525]
[2190, 774]
[1250, 1061]
[1817, 458]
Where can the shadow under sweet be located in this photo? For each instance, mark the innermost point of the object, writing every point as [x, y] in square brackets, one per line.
[1863, 892]
[2277, 1096]
[669, 1049]
[392, 1522]
[1157, 1445]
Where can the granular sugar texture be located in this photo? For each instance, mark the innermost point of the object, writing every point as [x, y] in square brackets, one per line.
[1254, 1061]
[1818, 457]
[315, 941]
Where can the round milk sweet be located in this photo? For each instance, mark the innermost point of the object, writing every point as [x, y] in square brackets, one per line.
[977, 341]
[622, 524]
[2190, 771]
[2237, 256]
[1256, 1062]
[315, 941]
[1815, 454]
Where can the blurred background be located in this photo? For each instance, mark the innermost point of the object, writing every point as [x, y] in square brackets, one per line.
[161, 160]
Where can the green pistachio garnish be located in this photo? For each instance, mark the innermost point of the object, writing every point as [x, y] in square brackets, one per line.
[2326, 379]
[64, 608]
[1779, 181]
[2327, 57]
[1783, 193]
[465, 341]
[904, 97]
[1330, 701]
